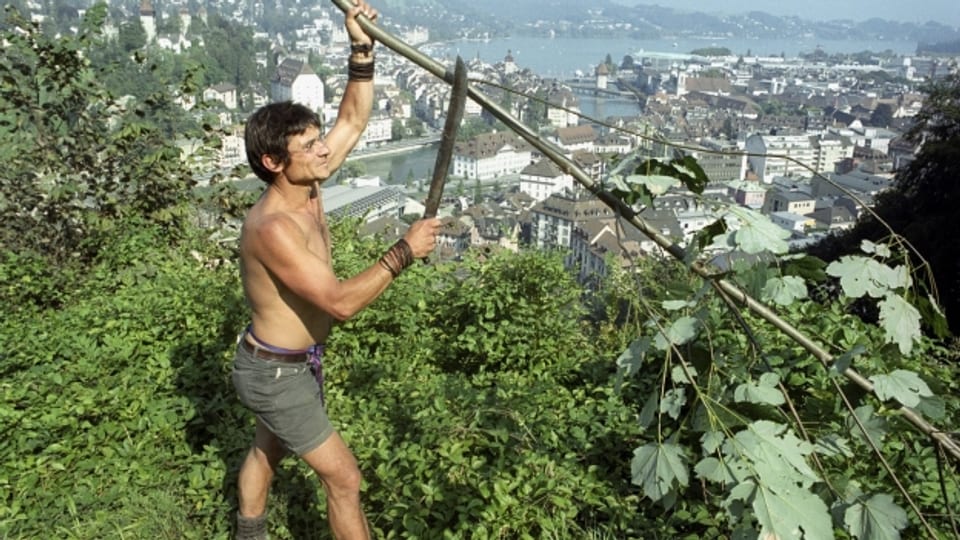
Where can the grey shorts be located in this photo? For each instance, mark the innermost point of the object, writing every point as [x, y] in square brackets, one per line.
[285, 397]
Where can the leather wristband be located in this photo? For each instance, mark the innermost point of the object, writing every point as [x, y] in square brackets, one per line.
[361, 51]
[357, 71]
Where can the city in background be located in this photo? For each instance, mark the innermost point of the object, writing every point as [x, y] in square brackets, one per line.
[800, 120]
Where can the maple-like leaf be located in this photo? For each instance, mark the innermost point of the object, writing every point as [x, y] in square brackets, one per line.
[679, 332]
[900, 322]
[757, 233]
[877, 518]
[659, 469]
[655, 184]
[904, 386]
[791, 513]
[764, 391]
[784, 290]
[861, 276]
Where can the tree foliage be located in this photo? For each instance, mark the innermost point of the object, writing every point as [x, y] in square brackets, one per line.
[75, 156]
[922, 206]
[729, 398]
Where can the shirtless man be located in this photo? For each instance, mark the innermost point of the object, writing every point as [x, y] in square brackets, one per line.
[295, 297]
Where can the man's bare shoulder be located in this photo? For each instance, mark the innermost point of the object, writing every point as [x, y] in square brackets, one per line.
[264, 228]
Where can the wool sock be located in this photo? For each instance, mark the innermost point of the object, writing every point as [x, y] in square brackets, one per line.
[254, 528]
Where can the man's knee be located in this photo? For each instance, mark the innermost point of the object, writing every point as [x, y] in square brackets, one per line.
[345, 481]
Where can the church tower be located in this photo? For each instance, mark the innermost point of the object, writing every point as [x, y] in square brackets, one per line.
[148, 20]
[509, 66]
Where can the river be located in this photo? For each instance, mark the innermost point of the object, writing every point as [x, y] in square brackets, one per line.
[398, 167]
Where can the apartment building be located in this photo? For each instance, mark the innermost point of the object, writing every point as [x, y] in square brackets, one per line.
[542, 179]
[780, 155]
[491, 155]
[554, 219]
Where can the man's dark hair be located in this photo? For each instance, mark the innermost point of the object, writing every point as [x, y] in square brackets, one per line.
[268, 130]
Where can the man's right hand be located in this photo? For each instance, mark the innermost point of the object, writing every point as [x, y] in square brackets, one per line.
[422, 237]
[357, 35]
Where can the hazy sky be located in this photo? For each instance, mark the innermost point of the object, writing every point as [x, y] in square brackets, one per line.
[919, 11]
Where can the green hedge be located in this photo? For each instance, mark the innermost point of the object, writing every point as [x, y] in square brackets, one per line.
[120, 420]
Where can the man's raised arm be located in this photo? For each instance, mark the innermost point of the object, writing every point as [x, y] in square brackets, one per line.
[354, 111]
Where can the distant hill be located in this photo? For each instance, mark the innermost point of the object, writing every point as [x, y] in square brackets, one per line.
[571, 17]
[945, 47]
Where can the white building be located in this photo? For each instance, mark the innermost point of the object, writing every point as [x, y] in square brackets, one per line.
[148, 20]
[554, 219]
[828, 150]
[769, 156]
[223, 92]
[795, 223]
[575, 138]
[870, 137]
[594, 243]
[491, 155]
[296, 81]
[370, 202]
[563, 108]
[857, 182]
[379, 130]
[417, 35]
[233, 149]
[542, 179]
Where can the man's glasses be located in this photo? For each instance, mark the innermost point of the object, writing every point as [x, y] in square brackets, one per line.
[308, 147]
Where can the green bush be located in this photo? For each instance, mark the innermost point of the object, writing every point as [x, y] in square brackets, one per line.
[117, 403]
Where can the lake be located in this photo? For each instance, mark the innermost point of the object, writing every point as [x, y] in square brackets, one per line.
[562, 57]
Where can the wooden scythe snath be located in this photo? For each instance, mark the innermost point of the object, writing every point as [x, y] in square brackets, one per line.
[726, 288]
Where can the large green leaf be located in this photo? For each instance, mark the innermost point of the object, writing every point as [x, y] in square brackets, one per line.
[861, 276]
[655, 184]
[711, 441]
[875, 426]
[784, 290]
[791, 513]
[833, 445]
[679, 374]
[882, 250]
[775, 454]
[679, 332]
[842, 362]
[673, 402]
[900, 322]
[725, 472]
[757, 233]
[649, 410]
[764, 391]
[691, 173]
[904, 386]
[659, 469]
[631, 359]
[877, 518]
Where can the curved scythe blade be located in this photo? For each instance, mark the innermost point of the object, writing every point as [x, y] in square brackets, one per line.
[458, 99]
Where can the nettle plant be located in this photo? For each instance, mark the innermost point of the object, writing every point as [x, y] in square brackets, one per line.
[762, 424]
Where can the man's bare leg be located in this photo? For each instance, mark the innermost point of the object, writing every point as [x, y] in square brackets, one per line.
[256, 473]
[337, 468]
